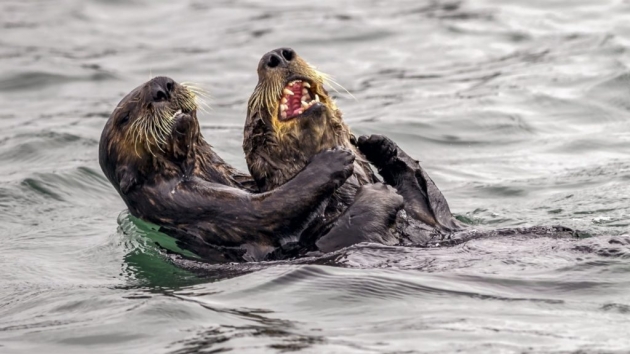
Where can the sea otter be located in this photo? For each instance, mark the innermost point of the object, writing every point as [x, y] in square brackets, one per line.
[153, 153]
[291, 117]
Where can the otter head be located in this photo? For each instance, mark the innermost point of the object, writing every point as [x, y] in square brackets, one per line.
[291, 106]
[138, 137]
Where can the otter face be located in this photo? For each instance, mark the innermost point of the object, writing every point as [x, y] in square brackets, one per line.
[145, 117]
[140, 128]
[290, 96]
[290, 118]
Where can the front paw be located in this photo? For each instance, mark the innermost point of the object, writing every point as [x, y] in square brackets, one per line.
[181, 138]
[378, 149]
[183, 124]
[338, 163]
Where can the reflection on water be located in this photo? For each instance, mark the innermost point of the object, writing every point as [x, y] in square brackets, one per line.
[145, 262]
[518, 109]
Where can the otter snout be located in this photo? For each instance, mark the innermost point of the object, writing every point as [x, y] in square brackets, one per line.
[162, 88]
[278, 58]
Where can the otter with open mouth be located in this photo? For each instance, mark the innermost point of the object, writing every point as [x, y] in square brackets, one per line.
[291, 118]
[153, 153]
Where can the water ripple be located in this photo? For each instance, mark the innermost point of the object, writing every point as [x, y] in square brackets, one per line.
[517, 109]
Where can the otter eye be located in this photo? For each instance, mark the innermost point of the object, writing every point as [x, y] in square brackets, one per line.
[125, 119]
[288, 54]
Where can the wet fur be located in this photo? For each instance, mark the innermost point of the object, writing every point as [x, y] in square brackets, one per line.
[276, 150]
[177, 181]
[362, 209]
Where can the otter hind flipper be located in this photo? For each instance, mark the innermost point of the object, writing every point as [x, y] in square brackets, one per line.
[423, 200]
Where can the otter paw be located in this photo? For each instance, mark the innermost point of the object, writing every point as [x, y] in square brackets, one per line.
[378, 149]
[338, 163]
[182, 123]
[182, 136]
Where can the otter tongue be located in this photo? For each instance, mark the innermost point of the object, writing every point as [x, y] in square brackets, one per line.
[294, 102]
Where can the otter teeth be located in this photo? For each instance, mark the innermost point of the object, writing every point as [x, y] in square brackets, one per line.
[296, 99]
[283, 111]
[179, 111]
[306, 106]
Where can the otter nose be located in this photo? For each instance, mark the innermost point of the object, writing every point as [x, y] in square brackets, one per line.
[161, 88]
[279, 57]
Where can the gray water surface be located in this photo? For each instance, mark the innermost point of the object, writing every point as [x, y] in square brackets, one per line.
[519, 110]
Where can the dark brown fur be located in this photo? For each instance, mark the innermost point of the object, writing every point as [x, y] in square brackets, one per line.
[276, 149]
[167, 174]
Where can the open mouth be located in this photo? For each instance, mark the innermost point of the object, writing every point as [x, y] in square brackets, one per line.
[297, 98]
[181, 111]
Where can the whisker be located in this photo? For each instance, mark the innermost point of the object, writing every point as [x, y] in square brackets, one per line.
[196, 89]
[332, 83]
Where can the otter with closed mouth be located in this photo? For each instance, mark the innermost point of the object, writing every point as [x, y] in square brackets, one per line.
[291, 118]
[153, 153]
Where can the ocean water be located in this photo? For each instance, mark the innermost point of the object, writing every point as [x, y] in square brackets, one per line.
[519, 110]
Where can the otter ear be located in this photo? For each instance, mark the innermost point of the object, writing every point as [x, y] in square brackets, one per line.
[126, 178]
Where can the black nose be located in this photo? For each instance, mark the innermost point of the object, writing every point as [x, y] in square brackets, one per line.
[161, 88]
[279, 57]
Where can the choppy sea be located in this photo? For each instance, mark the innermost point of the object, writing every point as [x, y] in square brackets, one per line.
[519, 110]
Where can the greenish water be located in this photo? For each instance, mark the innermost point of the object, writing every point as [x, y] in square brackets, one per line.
[519, 110]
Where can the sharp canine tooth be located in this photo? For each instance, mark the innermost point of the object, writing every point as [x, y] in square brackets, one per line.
[306, 84]
[317, 97]
[286, 91]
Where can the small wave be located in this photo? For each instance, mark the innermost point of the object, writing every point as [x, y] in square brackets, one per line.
[44, 148]
[80, 185]
[38, 80]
